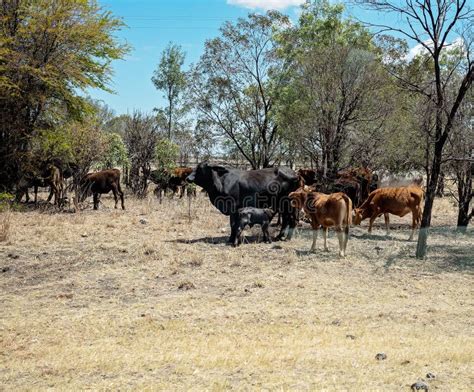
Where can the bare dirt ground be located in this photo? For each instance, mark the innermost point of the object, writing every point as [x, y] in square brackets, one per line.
[151, 299]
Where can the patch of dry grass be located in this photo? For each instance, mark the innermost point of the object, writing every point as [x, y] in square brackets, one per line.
[150, 298]
[5, 224]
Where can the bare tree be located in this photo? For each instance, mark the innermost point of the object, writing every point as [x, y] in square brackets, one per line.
[432, 24]
[141, 136]
[460, 159]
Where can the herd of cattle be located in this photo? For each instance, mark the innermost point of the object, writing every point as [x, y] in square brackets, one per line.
[252, 197]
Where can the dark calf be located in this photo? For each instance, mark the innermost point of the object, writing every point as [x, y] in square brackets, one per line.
[102, 182]
[253, 216]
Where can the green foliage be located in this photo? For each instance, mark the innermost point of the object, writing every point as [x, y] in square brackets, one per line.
[115, 152]
[166, 154]
[334, 81]
[170, 78]
[7, 202]
[49, 51]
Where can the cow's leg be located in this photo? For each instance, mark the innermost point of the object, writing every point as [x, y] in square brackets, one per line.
[387, 222]
[51, 192]
[234, 223]
[36, 194]
[114, 191]
[414, 224]
[325, 236]
[27, 196]
[346, 237]
[340, 237]
[288, 222]
[371, 221]
[120, 192]
[315, 237]
[96, 200]
[266, 234]
[292, 221]
[284, 226]
[238, 236]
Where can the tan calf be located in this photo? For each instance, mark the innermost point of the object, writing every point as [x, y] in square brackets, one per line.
[396, 201]
[333, 210]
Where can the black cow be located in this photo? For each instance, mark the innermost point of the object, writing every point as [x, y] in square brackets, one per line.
[232, 189]
[253, 216]
[102, 182]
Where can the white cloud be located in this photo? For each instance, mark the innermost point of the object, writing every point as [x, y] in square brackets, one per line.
[266, 4]
[420, 49]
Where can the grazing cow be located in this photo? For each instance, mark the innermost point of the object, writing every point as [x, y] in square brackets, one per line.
[174, 180]
[102, 182]
[253, 216]
[232, 189]
[396, 201]
[333, 210]
[51, 177]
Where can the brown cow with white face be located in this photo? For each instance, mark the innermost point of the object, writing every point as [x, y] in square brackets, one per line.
[326, 210]
[396, 201]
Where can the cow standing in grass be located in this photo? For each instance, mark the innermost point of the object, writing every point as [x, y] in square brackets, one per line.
[396, 201]
[51, 176]
[231, 189]
[251, 216]
[333, 210]
[99, 183]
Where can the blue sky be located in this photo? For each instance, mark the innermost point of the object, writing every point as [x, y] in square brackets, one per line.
[154, 23]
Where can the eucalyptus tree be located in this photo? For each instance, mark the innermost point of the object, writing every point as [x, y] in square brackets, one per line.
[171, 79]
[335, 83]
[233, 90]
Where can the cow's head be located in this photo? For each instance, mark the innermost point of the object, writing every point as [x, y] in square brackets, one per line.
[298, 198]
[208, 177]
[357, 218]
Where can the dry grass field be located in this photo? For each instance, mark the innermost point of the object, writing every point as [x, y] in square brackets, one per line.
[152, 299]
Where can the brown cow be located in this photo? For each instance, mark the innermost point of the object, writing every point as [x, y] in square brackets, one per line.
[396, 201]
[174, 179]
[102, 182]
[51, 176]
[177, 181]
[333, 210]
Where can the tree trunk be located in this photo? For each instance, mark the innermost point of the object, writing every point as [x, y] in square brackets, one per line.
[440, 188]
[464, 179]
[464, 217]
[429, 199]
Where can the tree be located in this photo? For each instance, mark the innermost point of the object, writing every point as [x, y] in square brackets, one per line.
[232, 89]
[432, 24]
[49, 51]
[115, 152]
[141, 136]
[170, 78]
[335, 87]
[460, 159]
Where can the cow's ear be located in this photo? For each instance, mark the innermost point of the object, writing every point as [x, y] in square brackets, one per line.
[220, 170]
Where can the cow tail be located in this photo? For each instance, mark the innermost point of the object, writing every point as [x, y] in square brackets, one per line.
[348, 211]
